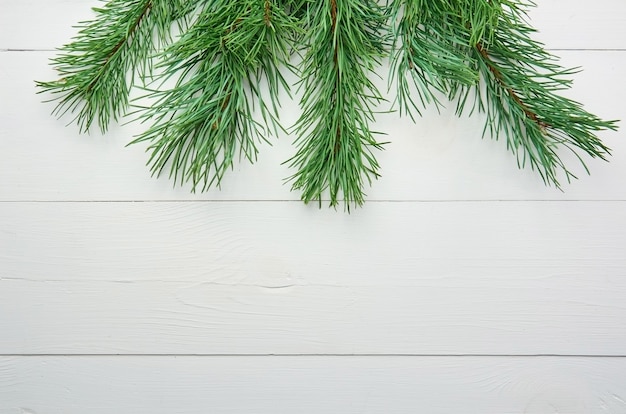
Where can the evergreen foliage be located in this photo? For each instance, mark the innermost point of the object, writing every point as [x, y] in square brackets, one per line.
[478, 53]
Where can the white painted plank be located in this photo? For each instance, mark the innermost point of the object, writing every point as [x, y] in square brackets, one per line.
[129, 385]
[33, 24]
[285, 241]
[426, 278]
[36, 24]
[440, 158]
[483, 317]
[579, 24]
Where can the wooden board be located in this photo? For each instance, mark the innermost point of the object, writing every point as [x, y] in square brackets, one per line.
[234, 277]
[385, 385]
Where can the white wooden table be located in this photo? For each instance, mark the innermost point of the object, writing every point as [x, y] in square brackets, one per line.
[462, 286]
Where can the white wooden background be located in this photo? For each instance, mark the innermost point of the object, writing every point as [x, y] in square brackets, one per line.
[463, 285]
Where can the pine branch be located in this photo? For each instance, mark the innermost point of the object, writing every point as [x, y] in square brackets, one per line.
[96, 66]
[499, 78]
[427, 50]
[208, 119]
[216, 109]
[346, 42]
[521, 97]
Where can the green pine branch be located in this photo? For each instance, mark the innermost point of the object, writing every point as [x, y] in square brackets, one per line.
[520, 96]
[428, 54]
[97, 68]
[478, 52]
[208, 118]
[345, 42]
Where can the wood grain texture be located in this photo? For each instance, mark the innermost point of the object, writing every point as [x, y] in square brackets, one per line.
[439, 158]
[477, 278]
[579, 24]
[196, 385]
[563, 24]
[94, 259]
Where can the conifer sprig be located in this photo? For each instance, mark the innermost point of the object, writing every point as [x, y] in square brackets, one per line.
[98, 67]
[208, 118]
[345, 43]
[519, 95]
[428, 52]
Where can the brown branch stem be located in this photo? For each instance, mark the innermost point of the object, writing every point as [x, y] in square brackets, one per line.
[121, 43]
[500, 79]
[267, 13]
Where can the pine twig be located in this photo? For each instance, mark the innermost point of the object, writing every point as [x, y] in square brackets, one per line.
[94, 68]
[208, 119]
[335, 143]
[521, 96]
